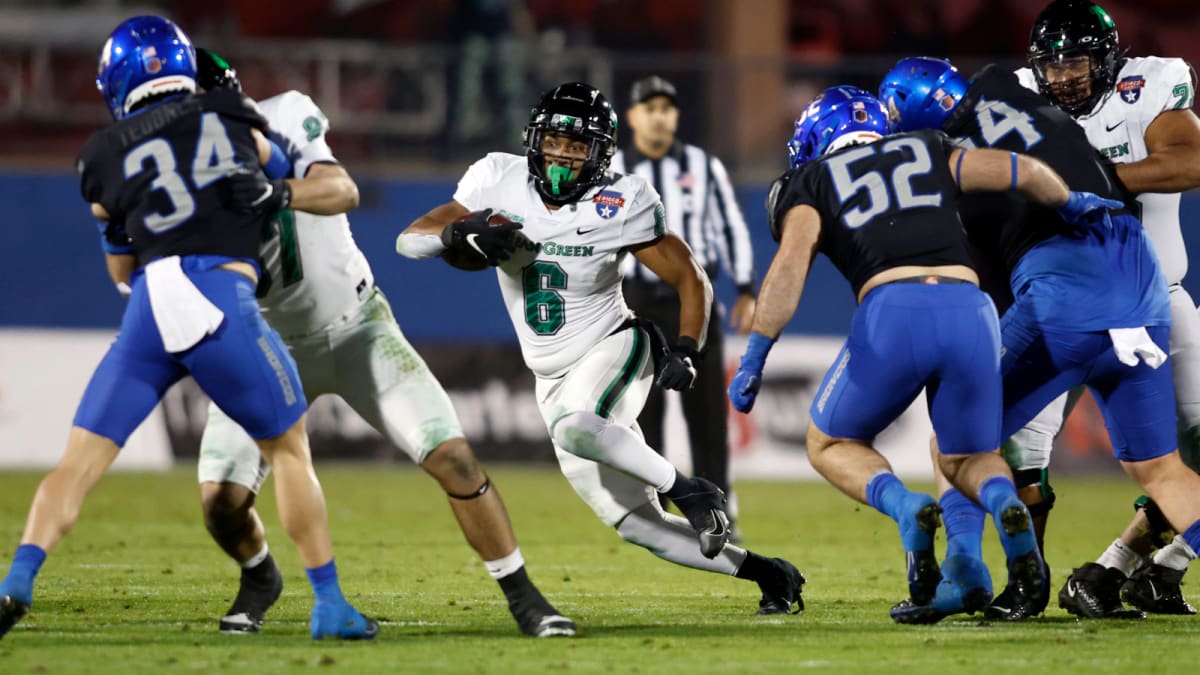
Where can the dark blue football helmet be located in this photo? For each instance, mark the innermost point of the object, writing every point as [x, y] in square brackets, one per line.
[920, 92]
[834, 113]
[144, 56]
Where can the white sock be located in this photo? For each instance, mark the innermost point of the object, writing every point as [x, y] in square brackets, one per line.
[257, 558]
[506, 565]
[1120, 556]
[590, 436]
[1175, 555]
[671, 538]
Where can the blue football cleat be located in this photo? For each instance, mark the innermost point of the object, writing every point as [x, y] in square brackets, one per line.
[341, 621]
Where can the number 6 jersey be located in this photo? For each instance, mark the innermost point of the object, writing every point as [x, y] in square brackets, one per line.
[885, 204]
[563, 287]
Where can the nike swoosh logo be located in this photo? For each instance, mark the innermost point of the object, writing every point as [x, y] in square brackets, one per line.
[1153, 592]
[1108, 128]
[582, 231]
[720, 523]
[1071, 590]
[471, 242]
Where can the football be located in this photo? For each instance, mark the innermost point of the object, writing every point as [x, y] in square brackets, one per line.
[466, 259]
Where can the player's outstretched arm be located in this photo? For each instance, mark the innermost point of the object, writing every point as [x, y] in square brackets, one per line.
[326, 190]
[423, 237]
[800, 236]
[987, 170]
[670, 258]
[799, 239]
[996, 171]
[1172, 163]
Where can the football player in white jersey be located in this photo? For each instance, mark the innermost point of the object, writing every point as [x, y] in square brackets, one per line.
[594, 361]
[1137, 113]
[321, 296]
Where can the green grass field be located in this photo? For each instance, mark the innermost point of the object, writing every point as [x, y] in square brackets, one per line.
[137, 588]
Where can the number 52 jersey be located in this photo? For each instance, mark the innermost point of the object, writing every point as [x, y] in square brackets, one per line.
[562, 288]
[885, 204]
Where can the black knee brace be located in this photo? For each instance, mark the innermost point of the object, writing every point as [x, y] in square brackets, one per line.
[487, 484]
[1041, 478]
[1159, 527]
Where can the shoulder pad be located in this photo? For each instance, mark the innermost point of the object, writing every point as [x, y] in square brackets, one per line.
[234, 104]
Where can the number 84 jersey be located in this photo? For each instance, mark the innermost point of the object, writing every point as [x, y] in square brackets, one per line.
[563, 287]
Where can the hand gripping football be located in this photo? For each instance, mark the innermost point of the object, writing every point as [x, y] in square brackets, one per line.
[468, 258]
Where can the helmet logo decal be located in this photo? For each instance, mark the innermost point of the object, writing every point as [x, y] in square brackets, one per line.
[566, 121]
[608, 203]
[150, 60]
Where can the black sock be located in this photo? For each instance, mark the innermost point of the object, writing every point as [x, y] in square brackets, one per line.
[263, 573]
[755, 568]
[682, 487]
[516, 585]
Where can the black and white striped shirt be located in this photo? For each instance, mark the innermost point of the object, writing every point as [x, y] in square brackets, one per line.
[700, 207]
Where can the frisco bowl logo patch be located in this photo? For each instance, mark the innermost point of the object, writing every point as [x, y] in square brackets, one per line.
[1130, 88]
[607, 203]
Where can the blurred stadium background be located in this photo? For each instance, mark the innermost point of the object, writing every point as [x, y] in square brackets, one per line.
[417, 89]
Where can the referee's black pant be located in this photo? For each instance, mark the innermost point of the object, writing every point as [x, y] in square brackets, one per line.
[704, 406]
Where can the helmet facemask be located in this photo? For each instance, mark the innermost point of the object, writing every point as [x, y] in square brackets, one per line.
[1064, 36]
[571, 112]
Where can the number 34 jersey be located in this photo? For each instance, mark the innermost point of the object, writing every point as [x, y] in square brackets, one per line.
[563, 287]
[885, 204]
[160, 173]
[1143, 88]
[312, 269]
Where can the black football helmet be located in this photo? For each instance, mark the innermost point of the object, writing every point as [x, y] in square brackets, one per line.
[580, 111]
[1070, 28]
[214, 72]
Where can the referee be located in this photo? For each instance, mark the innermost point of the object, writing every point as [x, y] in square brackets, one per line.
[702, 209]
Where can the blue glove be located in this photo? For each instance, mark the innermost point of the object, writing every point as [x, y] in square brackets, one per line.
[743, 389]
[1085, 211]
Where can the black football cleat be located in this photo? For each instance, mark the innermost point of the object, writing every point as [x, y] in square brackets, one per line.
[704, 507]
[255, 596]
[1027, 592]
[1157, 589]
[11, 611]
[536, 617]
[923, 571]
[1093, 592]
[782, 592]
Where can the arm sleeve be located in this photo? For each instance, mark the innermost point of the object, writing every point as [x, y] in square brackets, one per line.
[647, 220]
[279, 166]
[730, 230]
